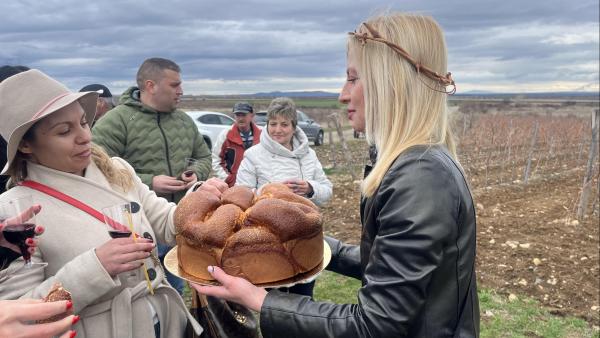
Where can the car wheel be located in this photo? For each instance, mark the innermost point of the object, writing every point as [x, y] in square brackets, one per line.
[208, 143]
[319, 138]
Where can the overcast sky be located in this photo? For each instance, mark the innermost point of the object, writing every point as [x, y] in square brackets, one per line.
[230, 47]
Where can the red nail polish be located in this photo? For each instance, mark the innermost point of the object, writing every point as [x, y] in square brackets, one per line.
[69, 305]
[75, 320]
[72, 334]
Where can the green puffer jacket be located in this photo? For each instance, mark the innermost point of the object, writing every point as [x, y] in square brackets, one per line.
[154, 143]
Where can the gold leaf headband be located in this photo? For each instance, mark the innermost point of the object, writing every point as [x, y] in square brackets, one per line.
[373, 35]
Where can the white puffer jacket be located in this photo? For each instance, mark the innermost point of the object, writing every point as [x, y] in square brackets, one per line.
[270, 162]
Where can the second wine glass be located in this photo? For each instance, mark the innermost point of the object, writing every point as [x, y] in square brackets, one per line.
[191, 167]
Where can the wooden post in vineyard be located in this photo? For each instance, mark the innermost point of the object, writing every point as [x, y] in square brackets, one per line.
[502, 163]
[531, 149]
[587, 179]
[336, 121]
[581, 144]
[510, 159]
[332, 147]
[543, 163]
[489, 155]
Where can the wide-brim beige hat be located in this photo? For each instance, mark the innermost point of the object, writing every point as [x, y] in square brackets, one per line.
[28, 97]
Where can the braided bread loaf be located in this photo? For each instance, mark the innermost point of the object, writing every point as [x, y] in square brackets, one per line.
[265, 238]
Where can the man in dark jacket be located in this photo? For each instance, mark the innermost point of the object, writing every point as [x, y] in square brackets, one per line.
[152, 135]
[228, 151]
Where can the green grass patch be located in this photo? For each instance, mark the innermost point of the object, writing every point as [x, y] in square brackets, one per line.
[344, 127]
[330, 171]
[335, 288]
[523, 317]
[331, 103]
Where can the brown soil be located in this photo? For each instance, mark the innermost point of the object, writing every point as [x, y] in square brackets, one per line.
[528, 242]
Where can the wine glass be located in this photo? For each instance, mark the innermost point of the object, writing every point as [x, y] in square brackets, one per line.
[191, 167]
[18, 220]
[120, 220]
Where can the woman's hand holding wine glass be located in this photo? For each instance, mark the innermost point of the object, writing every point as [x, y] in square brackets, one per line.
[123, 254]
[17, 226]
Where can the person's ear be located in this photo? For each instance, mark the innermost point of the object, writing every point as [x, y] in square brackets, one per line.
[149, 85]
[25, 147]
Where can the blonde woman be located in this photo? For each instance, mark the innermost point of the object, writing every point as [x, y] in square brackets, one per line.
[416, 259]
[49, 144]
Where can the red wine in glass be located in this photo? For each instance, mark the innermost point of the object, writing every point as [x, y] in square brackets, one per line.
[119, 234]
[188, 173]
[17, 234]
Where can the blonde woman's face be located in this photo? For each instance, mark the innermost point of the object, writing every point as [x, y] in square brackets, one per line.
[281, 130]
[352, 95]
[62, 141]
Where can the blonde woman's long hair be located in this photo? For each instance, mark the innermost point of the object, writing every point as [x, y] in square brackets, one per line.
[400, 110]
[115, 176]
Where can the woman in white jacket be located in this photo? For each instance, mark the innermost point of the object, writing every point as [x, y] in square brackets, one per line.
[283, 156]
[50, 145]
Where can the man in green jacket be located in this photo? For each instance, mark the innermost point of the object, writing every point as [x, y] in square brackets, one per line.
[152, 135]
[148, 131]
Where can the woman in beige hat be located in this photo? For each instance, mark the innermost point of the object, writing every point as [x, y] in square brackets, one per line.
[49, 144]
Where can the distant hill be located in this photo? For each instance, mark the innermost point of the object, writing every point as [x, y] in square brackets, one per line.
[476, 94]
[319, 94]
[530, 95]
[323, 94]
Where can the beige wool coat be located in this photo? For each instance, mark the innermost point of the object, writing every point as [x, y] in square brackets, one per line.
[117, 307]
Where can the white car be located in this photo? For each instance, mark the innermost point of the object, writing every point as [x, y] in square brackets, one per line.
[210, 124]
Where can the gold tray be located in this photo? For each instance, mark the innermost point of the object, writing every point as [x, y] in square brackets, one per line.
[172, 265]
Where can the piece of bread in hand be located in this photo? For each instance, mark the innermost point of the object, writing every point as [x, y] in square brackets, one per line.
[56, 293]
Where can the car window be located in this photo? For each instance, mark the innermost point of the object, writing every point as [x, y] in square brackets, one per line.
[210, 119]
[225, 121]
[260, 118]
[301, 116]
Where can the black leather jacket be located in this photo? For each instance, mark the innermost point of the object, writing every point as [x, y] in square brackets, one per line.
[416, 261]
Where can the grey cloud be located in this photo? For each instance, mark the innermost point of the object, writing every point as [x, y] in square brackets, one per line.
[234, 41]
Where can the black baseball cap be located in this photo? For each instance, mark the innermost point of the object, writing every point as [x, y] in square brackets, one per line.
[98, 88]
[243, 107]
[8, 71]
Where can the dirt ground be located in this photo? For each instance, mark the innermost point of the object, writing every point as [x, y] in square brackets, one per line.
[527, 241]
